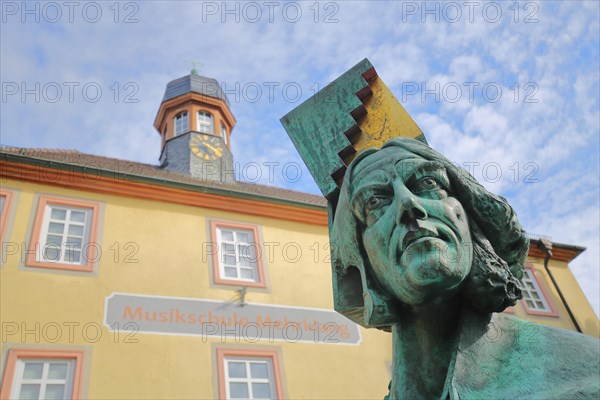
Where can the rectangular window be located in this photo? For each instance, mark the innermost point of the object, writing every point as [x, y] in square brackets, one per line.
[181, 124]
[43, 374]
[535, 300]
[249, 374]
[204, 122]
[43, 379]
[249, 378]
[224, 133]
[236, 260]
[64, 231]
[238, 254]
[64, 234]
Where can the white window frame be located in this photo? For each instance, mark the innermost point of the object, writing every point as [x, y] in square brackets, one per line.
[68, 239]
[205, 122]
[249, 380]
[224, 133]
[44, 381]
[225, 249]
[533, 293]
[181, 123]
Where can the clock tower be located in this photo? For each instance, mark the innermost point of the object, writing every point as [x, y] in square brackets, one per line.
[195, 124]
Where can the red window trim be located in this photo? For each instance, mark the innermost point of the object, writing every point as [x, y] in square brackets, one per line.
[223, 352]
[37, 229]
[7, 194]
[214, 224]
[16, 354]
[553, 312]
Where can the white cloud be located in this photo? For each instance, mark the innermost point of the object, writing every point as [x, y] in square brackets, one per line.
[557, 56]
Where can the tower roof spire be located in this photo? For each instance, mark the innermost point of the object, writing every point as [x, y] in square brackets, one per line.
[196, 84]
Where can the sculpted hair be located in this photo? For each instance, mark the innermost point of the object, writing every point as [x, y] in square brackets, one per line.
[500, 244]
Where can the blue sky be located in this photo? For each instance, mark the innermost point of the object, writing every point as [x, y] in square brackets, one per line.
[506, 89]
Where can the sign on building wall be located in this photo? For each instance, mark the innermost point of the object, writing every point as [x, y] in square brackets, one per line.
[249, 323]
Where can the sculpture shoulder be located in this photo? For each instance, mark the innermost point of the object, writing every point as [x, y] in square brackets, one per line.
[532, 335]
[563, 364]
[514, 358]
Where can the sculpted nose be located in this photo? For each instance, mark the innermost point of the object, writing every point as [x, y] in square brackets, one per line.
[409, 208]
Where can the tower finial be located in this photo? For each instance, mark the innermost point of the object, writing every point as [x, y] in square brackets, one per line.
[195, 64]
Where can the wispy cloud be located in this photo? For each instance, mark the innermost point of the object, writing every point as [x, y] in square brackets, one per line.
[543, 56]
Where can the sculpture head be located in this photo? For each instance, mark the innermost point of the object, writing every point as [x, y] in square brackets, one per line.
[412, 228]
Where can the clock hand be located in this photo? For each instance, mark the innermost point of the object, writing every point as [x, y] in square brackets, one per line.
[211, 147]
[216, 151]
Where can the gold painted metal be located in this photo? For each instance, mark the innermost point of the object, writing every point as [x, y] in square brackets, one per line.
[385, 119]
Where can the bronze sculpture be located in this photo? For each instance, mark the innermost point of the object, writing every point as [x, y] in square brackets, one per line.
[436, 255]
[420, 249]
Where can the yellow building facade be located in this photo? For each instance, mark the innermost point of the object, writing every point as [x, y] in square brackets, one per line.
[64, 310]
[125, 280]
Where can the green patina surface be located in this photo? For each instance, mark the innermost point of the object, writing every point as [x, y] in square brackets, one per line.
[421, 249]
[318, 126]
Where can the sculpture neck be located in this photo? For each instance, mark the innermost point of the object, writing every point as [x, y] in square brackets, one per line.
[423, 346]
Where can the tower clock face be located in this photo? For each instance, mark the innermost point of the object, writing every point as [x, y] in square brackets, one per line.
[206, 147]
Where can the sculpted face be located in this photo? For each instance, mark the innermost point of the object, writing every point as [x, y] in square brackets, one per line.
[416, 234]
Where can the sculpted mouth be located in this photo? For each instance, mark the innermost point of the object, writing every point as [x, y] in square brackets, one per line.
[424, 230]
[413, 236]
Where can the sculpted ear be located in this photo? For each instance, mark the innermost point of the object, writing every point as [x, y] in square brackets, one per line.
[356, 293]
[347, 292]
[378, 307]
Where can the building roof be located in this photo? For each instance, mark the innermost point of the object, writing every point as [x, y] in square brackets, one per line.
[560, 251]
[154, 172]
[197, 84]
[158, 176]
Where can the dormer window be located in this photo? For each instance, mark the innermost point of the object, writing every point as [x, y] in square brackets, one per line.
[181, 123]
[224, 133]
[205, 122]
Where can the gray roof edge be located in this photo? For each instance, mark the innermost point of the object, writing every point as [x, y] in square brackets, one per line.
[197, 84]
[162, 180]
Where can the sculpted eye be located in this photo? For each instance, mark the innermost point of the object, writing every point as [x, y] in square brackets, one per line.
[371, 202]
[427, 183]
[374, 203]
